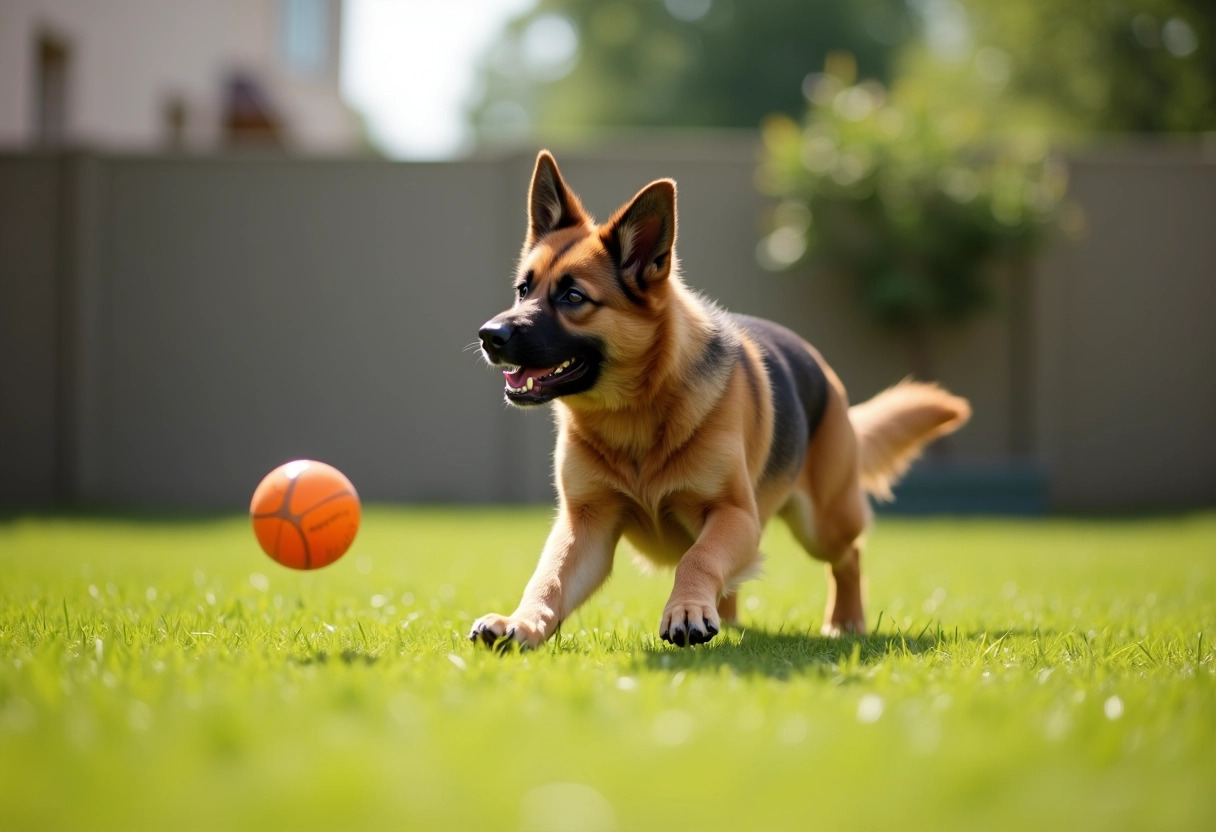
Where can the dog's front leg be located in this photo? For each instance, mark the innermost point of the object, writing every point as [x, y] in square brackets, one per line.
[576, 560]
[729, 544]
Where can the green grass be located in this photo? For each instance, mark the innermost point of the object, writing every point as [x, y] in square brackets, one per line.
[166, 675]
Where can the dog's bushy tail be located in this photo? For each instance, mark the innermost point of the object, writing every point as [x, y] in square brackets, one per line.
[893, 427]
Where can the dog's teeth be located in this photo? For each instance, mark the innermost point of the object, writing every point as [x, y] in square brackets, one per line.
[529, 382]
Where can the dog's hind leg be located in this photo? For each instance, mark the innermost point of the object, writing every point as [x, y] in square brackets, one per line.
[834, 535]
[828, 513]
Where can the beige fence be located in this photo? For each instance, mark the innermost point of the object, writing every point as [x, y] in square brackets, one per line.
[173, 327]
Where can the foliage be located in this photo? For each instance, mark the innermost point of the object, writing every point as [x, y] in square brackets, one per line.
[167, 675]
[575, 66]
[1103, 66]
[571, 67]
[912, 190]
[916, 191]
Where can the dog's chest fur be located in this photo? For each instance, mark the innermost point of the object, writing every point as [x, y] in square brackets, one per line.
[666, 495]
[662, 528]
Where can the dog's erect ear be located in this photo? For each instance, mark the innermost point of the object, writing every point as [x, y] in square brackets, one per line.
[551, 205]
[642, 234]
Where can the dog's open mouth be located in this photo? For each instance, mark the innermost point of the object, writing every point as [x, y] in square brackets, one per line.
[528, 385]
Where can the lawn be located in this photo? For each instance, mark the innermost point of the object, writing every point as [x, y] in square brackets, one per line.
[164, 674]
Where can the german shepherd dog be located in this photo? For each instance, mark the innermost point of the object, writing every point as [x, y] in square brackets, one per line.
[681, 427]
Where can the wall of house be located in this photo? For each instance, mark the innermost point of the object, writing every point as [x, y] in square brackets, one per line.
[129, 57]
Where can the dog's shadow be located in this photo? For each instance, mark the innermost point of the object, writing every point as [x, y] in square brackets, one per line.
[783, 654]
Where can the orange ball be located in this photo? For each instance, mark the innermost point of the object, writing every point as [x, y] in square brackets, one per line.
[305, 514]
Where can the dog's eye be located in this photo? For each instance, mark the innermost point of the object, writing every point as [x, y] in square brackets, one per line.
[573, 296]
[522, 290]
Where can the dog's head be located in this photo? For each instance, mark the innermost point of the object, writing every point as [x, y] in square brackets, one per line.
[587, 296]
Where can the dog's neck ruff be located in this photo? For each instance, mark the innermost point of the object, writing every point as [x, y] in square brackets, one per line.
[673, 395]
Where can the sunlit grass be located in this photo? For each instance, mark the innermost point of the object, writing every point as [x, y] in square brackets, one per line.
[167, 675]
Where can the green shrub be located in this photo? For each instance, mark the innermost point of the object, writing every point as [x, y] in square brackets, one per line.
[912, 191]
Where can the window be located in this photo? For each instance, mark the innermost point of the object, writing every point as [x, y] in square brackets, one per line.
[305, 35]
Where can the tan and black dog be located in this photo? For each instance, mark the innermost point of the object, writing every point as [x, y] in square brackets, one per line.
[681, 427]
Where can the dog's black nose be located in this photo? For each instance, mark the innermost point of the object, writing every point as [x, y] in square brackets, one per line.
[495, 334]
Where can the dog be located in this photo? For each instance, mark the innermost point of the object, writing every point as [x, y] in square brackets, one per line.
[681, 427]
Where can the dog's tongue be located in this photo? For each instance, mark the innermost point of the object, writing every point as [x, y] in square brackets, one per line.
[520, 377]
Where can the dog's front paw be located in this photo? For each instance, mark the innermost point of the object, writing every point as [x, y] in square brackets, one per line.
[689, 623]
[500, 630]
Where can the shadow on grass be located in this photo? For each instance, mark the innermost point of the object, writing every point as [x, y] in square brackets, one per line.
[783, 655]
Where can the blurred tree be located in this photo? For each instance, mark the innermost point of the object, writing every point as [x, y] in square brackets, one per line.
[1102, 65]
[572, 66]
[911, 193]
[916, 190]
